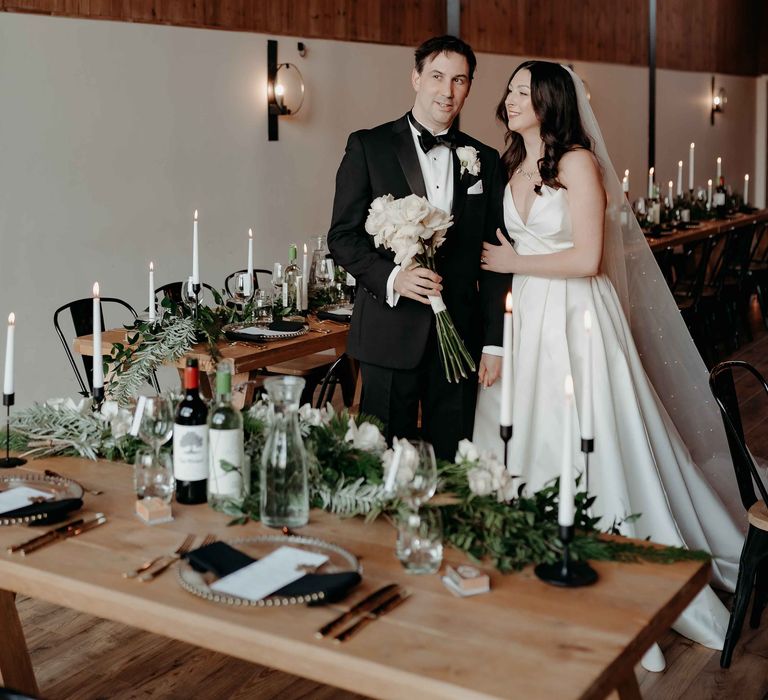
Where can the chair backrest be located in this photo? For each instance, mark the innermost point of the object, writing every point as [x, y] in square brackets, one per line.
[256, 273]
[81, 312]
[331, 380]
[723, 386]
[759, 251]
[697, 255]
[172, 291]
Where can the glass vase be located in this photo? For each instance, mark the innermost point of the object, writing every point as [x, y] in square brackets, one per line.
[284, 490]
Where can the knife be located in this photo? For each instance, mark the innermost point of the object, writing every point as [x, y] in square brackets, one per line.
[387, 606]
[99, 519]
[49, 535]
[370, 601]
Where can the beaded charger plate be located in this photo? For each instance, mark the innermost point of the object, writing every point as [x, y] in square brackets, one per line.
[259, 334]
[57, 488]
[258, 546]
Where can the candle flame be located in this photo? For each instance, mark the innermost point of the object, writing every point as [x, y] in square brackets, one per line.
[305, 249]
[693, 145]
[719, 159]
[626, 173]
[279, 90]
[151, 266]
[11, 319]
[587, 321]
[95, 289]
[671, 183]
[709, 182]
[250, 233]
[746, 177]
[651, 171]
[508, 303]
[679, 163]
[568, 386]
[195, 214]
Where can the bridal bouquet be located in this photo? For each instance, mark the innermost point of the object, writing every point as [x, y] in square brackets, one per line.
[414, 230]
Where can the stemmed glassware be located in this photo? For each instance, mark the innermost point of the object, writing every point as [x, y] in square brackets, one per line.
[243, 289]
[153, 471]
[188, 297]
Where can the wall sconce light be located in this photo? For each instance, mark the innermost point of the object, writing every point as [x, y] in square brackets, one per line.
[719, 98]
[285, 88]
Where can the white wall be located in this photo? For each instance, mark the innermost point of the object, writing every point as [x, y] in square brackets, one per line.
[111, 134]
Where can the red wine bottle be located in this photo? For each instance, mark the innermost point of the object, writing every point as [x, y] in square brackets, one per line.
[190, 441]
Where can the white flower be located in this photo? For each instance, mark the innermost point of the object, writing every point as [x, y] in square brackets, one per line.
[467, 452]
[366, 436]
[406, 464]
[261, 411]
[415, 208]
[469, 159]
[480, 481]
[507, 491]
[119, 419]
[83, 405]
[310, 416]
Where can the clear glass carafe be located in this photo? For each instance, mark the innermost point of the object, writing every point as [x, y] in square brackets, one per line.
[284, 490]
[316, 267]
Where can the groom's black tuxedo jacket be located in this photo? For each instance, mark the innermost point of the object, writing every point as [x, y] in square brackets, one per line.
[383, 161]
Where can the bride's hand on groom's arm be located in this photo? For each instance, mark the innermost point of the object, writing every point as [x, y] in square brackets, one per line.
[499, 258]
[489, 370]
[417, 283]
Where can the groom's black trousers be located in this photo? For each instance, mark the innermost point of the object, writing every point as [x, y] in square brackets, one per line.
[447, 410]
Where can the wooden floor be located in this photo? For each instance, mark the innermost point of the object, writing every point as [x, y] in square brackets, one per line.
[78, 657]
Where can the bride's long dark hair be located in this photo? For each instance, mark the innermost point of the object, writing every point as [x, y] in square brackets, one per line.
[554, 101]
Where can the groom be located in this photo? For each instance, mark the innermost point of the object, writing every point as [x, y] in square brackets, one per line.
[393, 332]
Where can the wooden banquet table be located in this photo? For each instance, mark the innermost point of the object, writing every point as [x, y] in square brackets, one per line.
[707, 228]
[525, 639]
[249, 357]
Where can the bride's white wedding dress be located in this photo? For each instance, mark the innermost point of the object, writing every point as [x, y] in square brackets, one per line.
[640, 463]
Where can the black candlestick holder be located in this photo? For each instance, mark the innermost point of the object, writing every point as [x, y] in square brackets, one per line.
[196, 288]
[9, 462]
[566, 572]
[97, 396]
[587, 447]
[505, 431]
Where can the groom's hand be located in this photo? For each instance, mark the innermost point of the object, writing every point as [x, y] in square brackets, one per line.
[417, 283]
[489, 370]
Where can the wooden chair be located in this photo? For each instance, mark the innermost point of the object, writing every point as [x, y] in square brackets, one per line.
[81, 312]
[753, 566]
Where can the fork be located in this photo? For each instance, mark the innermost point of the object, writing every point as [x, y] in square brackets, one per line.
[152, 575]
[56, 475]
[183, 548]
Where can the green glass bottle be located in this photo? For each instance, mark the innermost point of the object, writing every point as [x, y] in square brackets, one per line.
[228, 479]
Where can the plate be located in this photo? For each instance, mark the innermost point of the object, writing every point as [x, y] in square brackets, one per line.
[259, 334]
[337, 313]
[339, 561]
[59, 487]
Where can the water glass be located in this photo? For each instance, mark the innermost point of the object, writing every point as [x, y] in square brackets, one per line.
[420, 540]
[153, 475]
[417, 473]
[156, 425]
[262, 307]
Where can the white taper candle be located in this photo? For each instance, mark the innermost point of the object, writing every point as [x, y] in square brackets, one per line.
[690, 166]
[250, 261]
[195, 253]
[746, 190]
[679, 178]
[650, 183]
[9, 343]
[506, 366]
[587, 406]
[565, 505]
[151, 292]
[98, 368]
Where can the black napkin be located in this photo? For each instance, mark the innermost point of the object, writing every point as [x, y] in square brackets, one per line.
[54, 511]
[221, 559]
[328, 316]
[286, 326]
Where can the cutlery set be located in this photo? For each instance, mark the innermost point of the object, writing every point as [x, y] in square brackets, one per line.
[152, 568]
[59, 534]
[369, 609]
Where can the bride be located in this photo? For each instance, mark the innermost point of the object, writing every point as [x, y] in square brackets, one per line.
[659, 448]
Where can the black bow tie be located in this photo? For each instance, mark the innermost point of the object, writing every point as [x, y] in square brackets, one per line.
[428, 141]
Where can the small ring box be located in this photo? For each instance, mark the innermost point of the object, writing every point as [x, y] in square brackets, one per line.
[153, 511]
[466, 581]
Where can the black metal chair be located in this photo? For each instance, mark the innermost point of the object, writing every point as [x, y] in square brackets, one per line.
[753, 566]
[757, 274]
[343, 373]
[81, 312]
[172, 291]
[11, 694]
[256, 273]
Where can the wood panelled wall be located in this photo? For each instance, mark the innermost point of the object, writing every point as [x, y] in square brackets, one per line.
[405, 22]
[719, 36]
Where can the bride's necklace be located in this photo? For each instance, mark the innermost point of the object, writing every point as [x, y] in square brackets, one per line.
[526, 173]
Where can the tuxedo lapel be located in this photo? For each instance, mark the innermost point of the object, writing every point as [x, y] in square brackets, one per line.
[406, 154]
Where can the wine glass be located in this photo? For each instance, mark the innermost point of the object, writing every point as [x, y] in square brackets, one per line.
[324, 272]
[416, 477]
[156, 424]
[188, 297]
[242, 288]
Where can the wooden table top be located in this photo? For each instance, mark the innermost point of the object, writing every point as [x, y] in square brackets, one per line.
[525, 639]
[323, 335]
[707, 228]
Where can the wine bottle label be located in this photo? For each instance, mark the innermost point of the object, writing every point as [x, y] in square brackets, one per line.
[190, 452]
[226, 463]
[285, 294]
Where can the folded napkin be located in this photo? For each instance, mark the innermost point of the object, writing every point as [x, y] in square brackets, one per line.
[221, 559]
[343, 315]
[286, 326]
[54, 511]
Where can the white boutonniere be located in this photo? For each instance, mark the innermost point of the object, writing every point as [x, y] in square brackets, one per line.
[469, 159]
